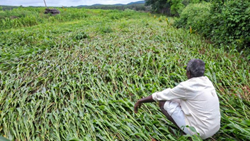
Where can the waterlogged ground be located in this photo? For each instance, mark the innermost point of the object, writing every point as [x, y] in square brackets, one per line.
[80, 79]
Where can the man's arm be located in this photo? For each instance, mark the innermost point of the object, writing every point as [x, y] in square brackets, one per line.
[143, 100]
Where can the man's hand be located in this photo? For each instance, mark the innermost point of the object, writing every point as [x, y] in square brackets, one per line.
[137, 106]
[143, 100]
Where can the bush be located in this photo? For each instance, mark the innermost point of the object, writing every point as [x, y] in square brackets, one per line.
[195, 15]
[230, 23]
[222, 22]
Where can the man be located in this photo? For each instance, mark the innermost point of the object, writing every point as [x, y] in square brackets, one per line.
[192, 103]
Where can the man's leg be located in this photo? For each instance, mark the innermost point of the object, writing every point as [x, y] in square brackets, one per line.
[161, 105]
[172, 110]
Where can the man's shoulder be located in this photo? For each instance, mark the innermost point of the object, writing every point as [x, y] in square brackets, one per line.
[196, 81]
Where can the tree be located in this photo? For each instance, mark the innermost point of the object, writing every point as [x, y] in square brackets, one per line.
[171, 7]
[159, 6]
[176, 6]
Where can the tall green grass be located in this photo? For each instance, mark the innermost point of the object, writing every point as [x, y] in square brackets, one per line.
[26, 17]
[79, 79]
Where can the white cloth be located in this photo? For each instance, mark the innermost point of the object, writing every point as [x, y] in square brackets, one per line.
[199, 103]
[174, 110]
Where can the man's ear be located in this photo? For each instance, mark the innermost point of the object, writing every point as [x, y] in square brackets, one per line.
[188, 74]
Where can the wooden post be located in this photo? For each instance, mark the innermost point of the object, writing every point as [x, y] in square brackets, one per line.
[45, 3]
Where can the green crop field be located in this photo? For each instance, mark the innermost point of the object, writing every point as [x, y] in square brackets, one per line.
[77, 75]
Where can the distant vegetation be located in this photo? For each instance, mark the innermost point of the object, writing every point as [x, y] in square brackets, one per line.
[223, 22]
[138, 6]
[3, 8]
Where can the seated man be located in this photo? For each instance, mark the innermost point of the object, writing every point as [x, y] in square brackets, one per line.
[192, 103]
